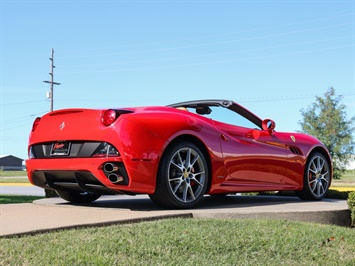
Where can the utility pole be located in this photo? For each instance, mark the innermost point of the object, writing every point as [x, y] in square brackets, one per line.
[51, 82]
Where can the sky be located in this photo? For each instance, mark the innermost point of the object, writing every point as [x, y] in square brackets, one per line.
[273, 57]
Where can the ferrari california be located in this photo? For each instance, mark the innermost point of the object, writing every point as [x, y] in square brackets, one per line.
[176, 154]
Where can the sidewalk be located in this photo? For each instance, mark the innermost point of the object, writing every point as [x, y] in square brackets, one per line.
[54, 213]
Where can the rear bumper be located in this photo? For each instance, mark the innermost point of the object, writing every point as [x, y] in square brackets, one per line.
[88, 174]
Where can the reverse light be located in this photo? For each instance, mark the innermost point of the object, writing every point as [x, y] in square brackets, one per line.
[108, 117]
[36, 123]
[31, 154]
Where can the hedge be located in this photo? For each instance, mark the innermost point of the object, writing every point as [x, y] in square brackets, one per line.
[351, 204]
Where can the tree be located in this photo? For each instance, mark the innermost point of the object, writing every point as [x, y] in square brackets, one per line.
[326, 120]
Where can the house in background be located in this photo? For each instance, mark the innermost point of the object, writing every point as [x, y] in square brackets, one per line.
[9, 162]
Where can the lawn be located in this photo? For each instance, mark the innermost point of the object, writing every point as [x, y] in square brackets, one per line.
[187, 242]
[12, 199]
[13, 177]
[347, 180]
[14, 180]
[13, 173]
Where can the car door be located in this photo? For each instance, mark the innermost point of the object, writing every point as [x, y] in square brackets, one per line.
[253, 157]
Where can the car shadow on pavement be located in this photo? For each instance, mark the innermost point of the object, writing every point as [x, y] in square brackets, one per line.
[143, 202]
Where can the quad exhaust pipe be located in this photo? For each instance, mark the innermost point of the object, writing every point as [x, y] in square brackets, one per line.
[115, 178]
[110, 170]
[110, 167]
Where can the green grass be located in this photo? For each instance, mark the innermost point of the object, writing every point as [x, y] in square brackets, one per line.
[187, 242]
[12, 173]
[13, 177]
[12, 199]
[14, 180]
[349, 174]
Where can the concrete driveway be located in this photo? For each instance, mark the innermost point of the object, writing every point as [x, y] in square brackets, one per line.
[54, 213]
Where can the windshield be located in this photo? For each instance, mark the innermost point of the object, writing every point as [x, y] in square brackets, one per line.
[223, 111]
[224, 115]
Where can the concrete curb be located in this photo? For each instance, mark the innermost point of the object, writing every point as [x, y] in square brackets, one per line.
[54, 214]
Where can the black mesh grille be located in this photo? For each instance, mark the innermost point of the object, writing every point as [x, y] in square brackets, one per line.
[295, 150]
[77, 150]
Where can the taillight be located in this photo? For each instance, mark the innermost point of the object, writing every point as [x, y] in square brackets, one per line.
[36, 123]
[105, 150]
[108, 117]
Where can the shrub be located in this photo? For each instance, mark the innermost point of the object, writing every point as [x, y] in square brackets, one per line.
[351, 204]
[335, 194]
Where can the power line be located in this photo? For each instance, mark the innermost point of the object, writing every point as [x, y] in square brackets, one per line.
[239, 100]
[23, 125]
[20, 103]
[254, 38]
[222, 61]
[19, 119]
[211, 54]
[217, 35]
[286, 98]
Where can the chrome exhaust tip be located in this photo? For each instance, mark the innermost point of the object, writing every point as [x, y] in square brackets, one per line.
[115, 178]
[110, 167]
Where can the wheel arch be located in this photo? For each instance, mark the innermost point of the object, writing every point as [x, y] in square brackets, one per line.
[326, 154]
[199, 143]
[308, 193]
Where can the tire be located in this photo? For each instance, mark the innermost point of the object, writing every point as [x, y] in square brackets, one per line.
[77, 197]
[182, 178]
[317, 178]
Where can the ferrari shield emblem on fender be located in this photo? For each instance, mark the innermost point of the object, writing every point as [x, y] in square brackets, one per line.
[293, 138]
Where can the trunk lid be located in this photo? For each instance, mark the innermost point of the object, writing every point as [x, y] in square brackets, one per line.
[69, 124]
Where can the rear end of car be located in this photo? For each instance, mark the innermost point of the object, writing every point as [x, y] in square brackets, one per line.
[92, 151]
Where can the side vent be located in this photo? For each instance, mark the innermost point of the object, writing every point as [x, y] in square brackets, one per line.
[295, 150]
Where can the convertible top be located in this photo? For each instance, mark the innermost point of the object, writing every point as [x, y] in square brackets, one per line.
[231, 105]
[200, 103]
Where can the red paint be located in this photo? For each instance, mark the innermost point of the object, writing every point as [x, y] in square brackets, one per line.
[240, 159]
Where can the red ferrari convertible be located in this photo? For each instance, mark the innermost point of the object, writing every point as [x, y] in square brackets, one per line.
[176, 154]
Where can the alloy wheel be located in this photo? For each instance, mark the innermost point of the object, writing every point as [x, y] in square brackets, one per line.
[318, 175]
[186, 175]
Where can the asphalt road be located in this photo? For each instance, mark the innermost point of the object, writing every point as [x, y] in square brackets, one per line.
[21, 189]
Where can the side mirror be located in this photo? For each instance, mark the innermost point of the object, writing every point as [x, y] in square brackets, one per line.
[268, 125]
